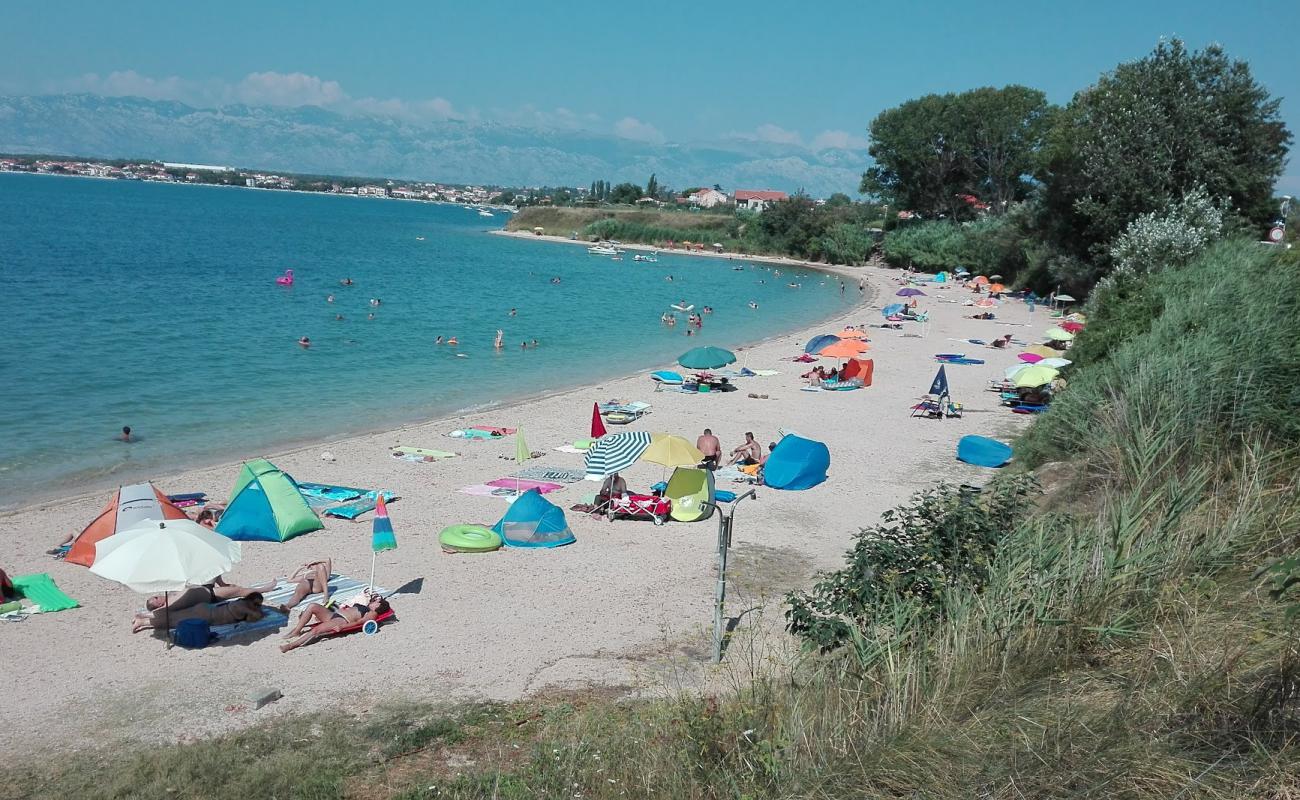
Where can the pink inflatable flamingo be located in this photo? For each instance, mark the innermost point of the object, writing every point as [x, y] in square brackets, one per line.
[286, 279]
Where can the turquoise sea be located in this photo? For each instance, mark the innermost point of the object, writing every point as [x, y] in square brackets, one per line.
[155, 306]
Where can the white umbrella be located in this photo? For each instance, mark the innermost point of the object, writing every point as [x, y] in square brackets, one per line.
[1056, 363]
[164, 556]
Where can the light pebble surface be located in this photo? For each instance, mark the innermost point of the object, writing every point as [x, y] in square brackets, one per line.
[610, 610]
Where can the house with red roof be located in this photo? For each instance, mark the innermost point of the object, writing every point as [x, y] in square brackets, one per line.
[757, 199]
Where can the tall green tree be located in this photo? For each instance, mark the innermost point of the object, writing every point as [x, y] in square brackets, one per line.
[625, 193]
[1150, 132]
[931, 151]
[652, 187]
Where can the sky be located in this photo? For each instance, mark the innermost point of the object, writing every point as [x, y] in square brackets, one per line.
[811, 74]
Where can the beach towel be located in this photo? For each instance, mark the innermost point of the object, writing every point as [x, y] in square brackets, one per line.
[473, 434]
[40, 589]
[419, 454]
[765, 373]
[328, 493]
[495, 431]
[961, 360]
[524, 484]
[187, 500]
[487, 490]
[353, 510]
[568, 448]
[550, 474]
[341, 586]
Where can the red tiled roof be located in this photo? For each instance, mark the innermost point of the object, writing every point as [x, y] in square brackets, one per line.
[763, 194]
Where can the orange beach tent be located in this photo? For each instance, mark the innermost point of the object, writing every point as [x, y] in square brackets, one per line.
[860, 368]
[128, 506]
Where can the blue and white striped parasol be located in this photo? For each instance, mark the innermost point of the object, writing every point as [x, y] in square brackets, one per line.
[615, 452]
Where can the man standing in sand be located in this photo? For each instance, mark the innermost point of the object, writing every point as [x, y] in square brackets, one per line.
[709, 445]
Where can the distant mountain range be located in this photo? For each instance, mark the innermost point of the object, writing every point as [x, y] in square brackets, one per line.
[314, 140]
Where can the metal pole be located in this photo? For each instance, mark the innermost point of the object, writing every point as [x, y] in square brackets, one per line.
[720, 591]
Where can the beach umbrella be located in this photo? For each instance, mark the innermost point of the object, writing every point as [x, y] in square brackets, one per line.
[1043, 350]
[961, 271]
[615, 452]
[892, 309]
[1058, 335]
[908, 291]
[980, 280]
[164, 556]
[668, 450]
[1030, 358]
[381, 534]
[1011, 371]
[844, 348]
[1071, 326]
[1034, 376]
[1056, 363]
[986, 302]
[1064, 298]
[706, 358]
[597, 424]
[851, 333]
[997, 287]
[816, 343]
[995, 277]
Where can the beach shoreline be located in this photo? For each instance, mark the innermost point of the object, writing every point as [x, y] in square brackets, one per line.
[80, 489]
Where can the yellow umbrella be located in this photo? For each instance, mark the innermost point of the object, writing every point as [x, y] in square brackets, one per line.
[671, 451]
[1058, 335]
[844, 348]
[1043, 350]
[1034, 376]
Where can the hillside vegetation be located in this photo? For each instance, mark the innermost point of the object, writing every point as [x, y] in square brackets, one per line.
[1090, 625]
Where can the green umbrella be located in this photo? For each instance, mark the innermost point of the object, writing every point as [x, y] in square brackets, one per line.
[1058, 335]
[1033, 376]
[706, 358]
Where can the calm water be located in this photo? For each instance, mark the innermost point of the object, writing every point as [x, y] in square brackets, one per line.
[155, 306]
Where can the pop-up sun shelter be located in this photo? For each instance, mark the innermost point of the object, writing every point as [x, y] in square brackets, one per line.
[532, 521]
[796, 463]
[266, 506]
[129, 506]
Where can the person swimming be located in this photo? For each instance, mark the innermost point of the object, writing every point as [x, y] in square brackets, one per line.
[329, 298]
[304, 342]
[497, 343]
[555, 279]
[371, 315]
[513, 312]
[707, 309]
[338, 317]
[452, 341]
[752, 304]
[438, 340]
[534, 344]
[126, 435]
[345, 282]
[374, 301]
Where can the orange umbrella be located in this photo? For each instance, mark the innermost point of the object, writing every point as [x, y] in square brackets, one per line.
[997, 287]
[986, 303]
[981, 280]
[844, 348]
[850, 333]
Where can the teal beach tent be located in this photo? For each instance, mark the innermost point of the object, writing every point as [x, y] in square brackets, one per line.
[796, 463]
[532, 521]
[266, 506]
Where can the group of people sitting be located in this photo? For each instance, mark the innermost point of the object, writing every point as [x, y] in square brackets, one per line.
[222, 603]
[748, 456]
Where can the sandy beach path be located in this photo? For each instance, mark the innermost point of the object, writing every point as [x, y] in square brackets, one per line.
[515, 622]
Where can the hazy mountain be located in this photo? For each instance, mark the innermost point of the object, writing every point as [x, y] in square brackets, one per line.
[315, 140]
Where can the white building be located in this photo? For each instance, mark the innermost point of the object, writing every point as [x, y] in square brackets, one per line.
[707, 198]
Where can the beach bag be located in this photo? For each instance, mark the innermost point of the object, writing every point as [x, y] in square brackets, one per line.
[193, 633]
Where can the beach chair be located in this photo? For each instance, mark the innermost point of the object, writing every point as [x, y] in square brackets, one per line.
[664, 378]
[369, 627]
[623, 413]
[639, 506]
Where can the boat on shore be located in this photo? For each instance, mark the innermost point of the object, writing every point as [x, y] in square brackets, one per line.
[602, 250]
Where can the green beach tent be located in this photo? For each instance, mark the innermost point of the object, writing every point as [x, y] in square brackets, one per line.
[266, 506]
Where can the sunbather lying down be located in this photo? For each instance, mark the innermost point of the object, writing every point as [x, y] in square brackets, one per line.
[214, 592]
[245, 609]
[324, 622]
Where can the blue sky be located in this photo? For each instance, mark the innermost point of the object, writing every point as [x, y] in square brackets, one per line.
[811, 73]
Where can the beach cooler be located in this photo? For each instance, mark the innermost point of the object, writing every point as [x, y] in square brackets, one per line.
[192, 633]
[640, 506]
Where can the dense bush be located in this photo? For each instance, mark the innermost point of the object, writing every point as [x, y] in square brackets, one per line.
[989, 246]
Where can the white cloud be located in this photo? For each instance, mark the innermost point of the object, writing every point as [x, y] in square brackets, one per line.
[767, 132]
[633, 128]
[838, 140]
[287, 89]
[124, 83]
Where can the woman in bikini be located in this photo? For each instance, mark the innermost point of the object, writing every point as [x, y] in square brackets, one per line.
[323, 621]
[312, 578]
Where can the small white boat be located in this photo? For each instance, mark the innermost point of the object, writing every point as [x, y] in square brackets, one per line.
[649, 259]
[602, 250]
[485, 213]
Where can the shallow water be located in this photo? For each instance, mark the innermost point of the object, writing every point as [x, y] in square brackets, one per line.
[155, 306]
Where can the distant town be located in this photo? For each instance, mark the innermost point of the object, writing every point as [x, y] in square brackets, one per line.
[600, 192]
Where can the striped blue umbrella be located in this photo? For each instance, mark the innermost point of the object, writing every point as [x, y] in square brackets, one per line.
[615, 452]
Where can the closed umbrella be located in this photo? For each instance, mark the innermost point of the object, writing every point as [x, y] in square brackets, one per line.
[816, 343]
[668, 450]
[597, 424]
[615, 452]
[706, 358]
[908, 291]
[1058, 335]
[1034, 376]
[844, 348]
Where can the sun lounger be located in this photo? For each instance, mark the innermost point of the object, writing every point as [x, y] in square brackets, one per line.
[664, 378]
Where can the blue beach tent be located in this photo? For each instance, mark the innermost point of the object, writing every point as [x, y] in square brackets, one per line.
[532, 521]
[266, 506]
[796, 463]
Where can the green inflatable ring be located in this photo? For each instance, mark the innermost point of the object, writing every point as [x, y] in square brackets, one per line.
[469, 539]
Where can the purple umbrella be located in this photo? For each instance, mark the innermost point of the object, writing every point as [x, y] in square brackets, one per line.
[908, 291]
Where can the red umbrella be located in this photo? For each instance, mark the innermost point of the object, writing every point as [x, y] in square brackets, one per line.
[1071, 327]
[597, 425]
